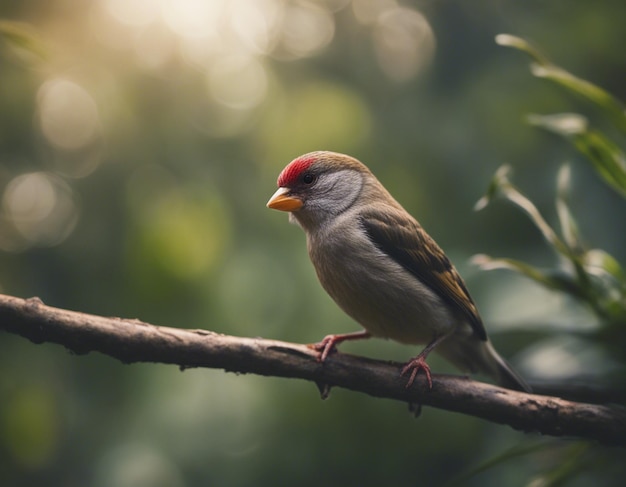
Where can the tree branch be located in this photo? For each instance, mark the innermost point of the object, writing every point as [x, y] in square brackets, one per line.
[135, 341]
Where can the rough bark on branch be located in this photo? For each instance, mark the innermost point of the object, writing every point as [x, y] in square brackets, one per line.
[135, 341]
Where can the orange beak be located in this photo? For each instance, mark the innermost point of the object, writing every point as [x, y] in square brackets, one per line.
[281, 200]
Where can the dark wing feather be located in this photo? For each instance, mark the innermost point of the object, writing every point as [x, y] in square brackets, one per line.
[409, 245]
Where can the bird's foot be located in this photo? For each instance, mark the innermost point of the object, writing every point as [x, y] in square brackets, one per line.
[326, 346]
[330, 342]
[414, 366]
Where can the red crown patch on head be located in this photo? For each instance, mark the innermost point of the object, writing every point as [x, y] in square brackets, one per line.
[289, 176]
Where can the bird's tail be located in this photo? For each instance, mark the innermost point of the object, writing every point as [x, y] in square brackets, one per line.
[502, 371]
[482, 357]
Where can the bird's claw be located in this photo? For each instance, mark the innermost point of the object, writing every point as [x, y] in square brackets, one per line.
[414, 366]
[326, 347]
[330, 342]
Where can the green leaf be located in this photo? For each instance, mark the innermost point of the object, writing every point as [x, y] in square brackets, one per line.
[555, 281]
[609, 284]
[606, 157]
[564, 124]
[542, 67]
[517, 198]
[569, 227]
[500, 179]
[598, 96]
[523, 45]
[599, 262]
[502, 186]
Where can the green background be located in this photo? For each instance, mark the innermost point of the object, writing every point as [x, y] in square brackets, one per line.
[139, 143]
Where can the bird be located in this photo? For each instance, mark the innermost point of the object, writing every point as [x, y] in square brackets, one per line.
[382, 269]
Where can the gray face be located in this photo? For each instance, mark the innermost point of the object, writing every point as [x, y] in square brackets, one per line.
[332, 193]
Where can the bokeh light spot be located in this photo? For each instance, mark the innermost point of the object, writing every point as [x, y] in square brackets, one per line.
[368, 11]
[153, 47]
[564, 357]
[68, 115]
[191, 18]
[255, 22]
[238, 82]
[133, 12]
[41, 207]
[404, 43]
[306, 29]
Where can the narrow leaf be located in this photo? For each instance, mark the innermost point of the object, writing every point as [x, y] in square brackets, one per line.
[606, 157]
[523, 45]
[569, 227]
[500, 185]
[516, 197]
[564, 124]
[598, 96]
[488, 263]
[554, 280]
[543, 68]
[500, 179]
[597, 261]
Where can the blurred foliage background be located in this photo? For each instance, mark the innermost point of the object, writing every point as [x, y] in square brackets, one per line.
[139, 142]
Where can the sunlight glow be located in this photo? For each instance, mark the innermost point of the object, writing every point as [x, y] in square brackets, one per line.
[227, 40]
[283, 29]
[132, 12]
[192, 18]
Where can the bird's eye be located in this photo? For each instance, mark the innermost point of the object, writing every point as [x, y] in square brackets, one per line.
[308, 178]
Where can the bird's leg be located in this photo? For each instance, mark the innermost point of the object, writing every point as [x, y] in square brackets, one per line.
[415, 364]
[330, 342]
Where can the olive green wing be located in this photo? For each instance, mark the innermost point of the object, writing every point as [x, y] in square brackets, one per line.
[405, 241]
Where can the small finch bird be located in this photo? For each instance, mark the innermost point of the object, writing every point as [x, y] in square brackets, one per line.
[381, 267]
